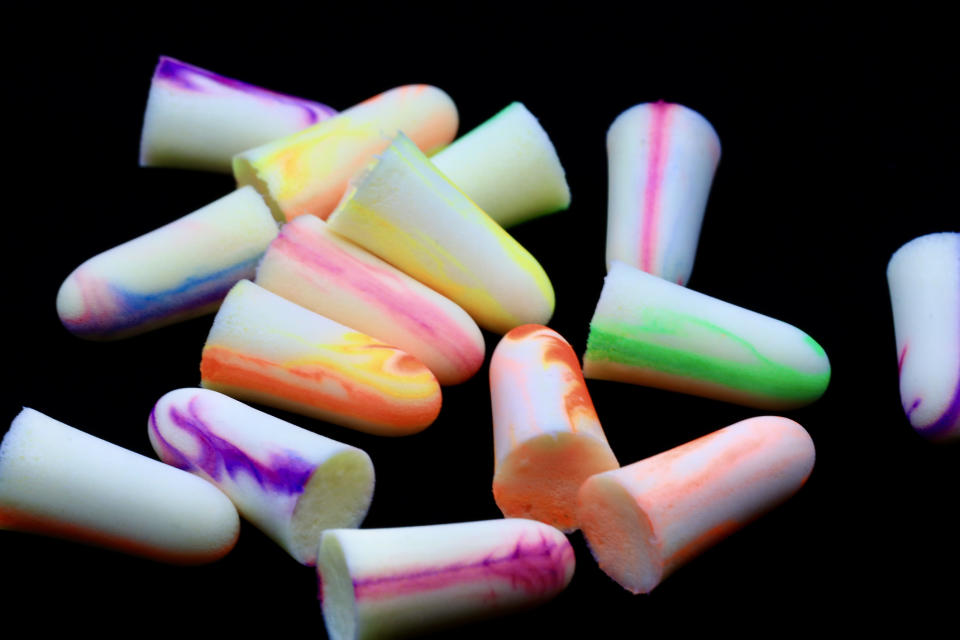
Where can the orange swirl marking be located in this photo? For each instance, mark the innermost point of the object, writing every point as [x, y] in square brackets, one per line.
[391, 395]
[576, 399]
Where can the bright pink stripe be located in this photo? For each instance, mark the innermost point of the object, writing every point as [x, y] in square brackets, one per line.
[651, 196]
[382, 288]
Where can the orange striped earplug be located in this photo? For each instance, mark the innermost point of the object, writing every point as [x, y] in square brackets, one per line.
[265, 349]
[645, 520]
[546, 434]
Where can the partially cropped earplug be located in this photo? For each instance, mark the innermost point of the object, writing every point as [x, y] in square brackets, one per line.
[924, 279]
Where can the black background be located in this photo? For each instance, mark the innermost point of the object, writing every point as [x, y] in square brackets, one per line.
[839, 145]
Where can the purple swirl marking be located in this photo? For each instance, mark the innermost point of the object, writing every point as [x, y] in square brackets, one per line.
[183, 76]
[537, 568]
[947, 423]
[284, 473]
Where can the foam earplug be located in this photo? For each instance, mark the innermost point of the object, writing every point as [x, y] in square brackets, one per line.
[508, 167]
[307, 172]
[197, 119]
[59, 481]
[649, 331]
[266, 349]
[661, 159]
[547, 438]
[291, 483]
[314, 267]
[405, 211]
[644, 521]
[388, 583]
[179, 271]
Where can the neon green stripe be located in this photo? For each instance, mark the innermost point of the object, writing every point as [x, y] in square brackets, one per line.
[635, 345]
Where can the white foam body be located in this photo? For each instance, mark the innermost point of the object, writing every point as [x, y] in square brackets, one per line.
[54, 472]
